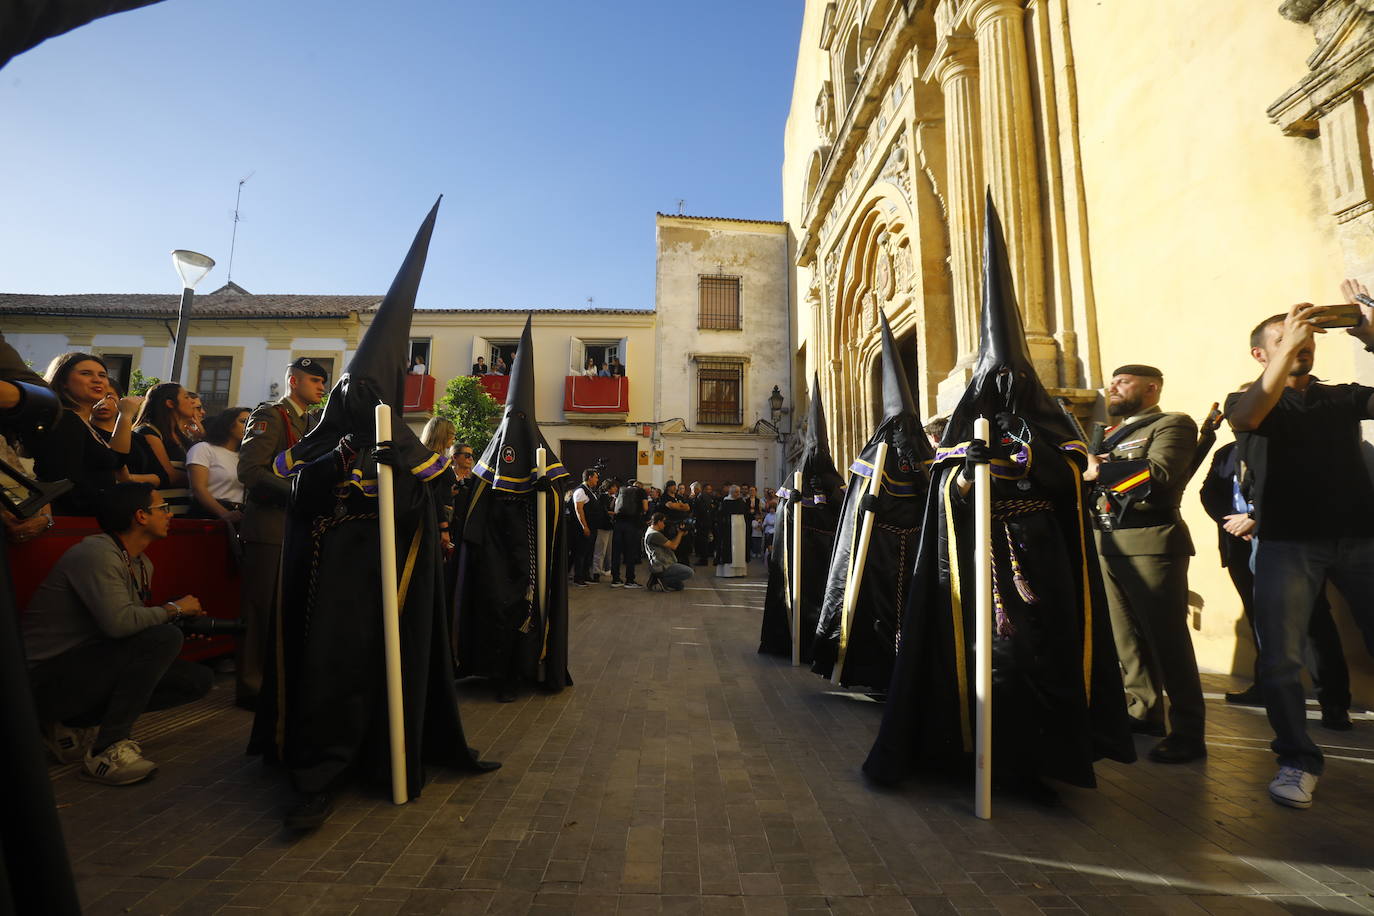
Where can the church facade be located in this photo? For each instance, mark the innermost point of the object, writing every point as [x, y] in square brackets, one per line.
[1169, 174]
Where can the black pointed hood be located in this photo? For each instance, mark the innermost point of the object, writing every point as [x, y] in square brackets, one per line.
[508, 462]
[897, 397]
[1004, 378]
[376, 373]
[816, 464]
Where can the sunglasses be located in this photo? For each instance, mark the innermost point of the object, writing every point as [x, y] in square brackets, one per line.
[161, 507]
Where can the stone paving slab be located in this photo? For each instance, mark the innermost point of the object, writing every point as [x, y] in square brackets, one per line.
[684, 773]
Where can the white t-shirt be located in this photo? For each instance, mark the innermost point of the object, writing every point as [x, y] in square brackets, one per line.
[223, 466]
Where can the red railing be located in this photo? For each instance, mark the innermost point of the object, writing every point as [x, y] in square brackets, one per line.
[496, 386]
[419, 393]
[594, 394]
[194, 560]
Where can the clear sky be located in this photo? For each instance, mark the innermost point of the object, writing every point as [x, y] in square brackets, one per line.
[554, 130]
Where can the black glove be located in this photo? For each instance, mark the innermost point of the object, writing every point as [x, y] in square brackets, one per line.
[869, 503]
[543, 484]
[385, 453]
[978, 452]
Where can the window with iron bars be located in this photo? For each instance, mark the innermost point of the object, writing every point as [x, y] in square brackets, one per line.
[719, 300]
[214, 376]
[719, 385]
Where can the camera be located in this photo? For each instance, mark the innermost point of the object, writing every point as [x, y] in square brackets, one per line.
[212, 626]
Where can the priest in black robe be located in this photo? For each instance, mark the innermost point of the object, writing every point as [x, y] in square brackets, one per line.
[865, 648]
[1057, 699]
[506, 630]
[817, 506]
[323, 712]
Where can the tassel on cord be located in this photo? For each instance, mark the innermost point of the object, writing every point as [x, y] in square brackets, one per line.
[1022, 586]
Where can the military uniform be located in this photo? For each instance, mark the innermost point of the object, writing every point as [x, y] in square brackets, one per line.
[1144, 547]
[272, 428]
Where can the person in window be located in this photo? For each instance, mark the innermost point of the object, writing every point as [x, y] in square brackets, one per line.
[213, 467]
[73, 449]
[614, 368]
[480, 367]
[501, 367]
[591, 370]
[161, 441]
[417, 365]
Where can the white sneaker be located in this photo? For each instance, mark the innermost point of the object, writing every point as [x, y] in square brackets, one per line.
[1293, 787]
[120, 764]
[633, 585]
[67, 744]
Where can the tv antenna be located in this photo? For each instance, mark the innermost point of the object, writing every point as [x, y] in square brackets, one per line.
[680, 202]
[233, 239]
[590, 300]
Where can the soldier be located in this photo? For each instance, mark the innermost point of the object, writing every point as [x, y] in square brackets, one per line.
[1144, 547]
[272, 428]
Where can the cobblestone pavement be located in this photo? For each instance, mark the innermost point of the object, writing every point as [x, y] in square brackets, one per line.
[686, 774]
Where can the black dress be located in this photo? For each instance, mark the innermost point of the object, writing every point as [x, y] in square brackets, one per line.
[73, 451]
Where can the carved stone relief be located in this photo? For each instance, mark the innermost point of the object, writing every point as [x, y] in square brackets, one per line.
[825, 114]
[1345, 146]
[895, 168]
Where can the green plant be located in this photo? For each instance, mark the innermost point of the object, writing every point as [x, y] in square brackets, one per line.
[140, 383]
[474, 412]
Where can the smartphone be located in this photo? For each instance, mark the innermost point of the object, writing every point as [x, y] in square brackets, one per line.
[1345, 315]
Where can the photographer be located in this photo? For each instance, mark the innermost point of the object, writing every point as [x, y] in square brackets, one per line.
[1313, 516]
[99, 653]
[659, 547]
[630, 506]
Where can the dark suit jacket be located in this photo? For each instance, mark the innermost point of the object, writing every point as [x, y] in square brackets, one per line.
[1167, 446]
[1217, 492]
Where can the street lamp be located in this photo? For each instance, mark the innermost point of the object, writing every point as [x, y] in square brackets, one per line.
[775, 404]
[191, 267]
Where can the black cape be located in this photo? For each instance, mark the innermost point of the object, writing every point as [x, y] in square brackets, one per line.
[504, 628]
[323, 711]
[1057, 698]
[724, 541]
[817, 506]
[872, 638]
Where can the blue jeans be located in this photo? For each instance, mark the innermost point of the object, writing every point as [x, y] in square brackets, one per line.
[675, 575]
[1288, 577]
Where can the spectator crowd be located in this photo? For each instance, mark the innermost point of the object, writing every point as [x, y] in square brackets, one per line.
[101, 651]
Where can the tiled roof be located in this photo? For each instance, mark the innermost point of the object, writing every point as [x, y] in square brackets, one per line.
[724, 219]
[233, 301]
[567, 311]
[229, 301]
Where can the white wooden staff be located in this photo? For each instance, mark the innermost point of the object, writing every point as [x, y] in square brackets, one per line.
[391, 614]
[857, 561]
[982, 665]
[795, 569]
[541, 507]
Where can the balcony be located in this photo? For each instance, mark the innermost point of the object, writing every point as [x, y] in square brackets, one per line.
[419, 393]
[596, 398]
[496, 385]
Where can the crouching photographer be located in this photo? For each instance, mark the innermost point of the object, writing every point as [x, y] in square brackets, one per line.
[665, 572]
[99, 655]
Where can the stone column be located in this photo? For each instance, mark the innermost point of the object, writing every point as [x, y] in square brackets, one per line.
[955, 68]
[1009, 161]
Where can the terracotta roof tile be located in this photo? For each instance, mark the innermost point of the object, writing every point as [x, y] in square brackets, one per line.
[724, 219]
[229, 301]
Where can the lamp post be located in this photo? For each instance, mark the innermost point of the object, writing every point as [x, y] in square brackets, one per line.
[191, 267]
[775, 404]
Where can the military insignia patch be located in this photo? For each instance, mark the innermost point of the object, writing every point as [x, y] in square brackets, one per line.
[259, 427]
[508, 455]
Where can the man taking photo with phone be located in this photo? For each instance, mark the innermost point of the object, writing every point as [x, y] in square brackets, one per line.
[1314, 514]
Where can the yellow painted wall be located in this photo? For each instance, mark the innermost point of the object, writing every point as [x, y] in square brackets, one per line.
[1203, 219]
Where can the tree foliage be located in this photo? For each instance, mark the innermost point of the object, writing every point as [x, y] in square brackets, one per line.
[140, 384]
[474, 412]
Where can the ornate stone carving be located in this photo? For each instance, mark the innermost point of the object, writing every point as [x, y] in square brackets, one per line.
[831, 274]
[825, 114]
[895, 169]
[904, 267]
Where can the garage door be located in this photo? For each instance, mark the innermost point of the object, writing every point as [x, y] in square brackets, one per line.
[580, 454]
[716, 472]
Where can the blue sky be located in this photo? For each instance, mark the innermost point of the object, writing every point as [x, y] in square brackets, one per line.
[554, 130]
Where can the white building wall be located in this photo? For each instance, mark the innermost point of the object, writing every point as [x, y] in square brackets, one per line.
[756, 252]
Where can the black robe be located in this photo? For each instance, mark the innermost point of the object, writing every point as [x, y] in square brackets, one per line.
[704, 509]
[819, 515]
[503, 630]
[872, 645]
[323, 708]
[724, 541]
[1057, 698]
